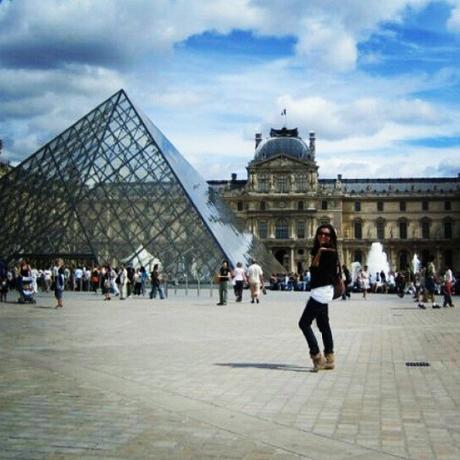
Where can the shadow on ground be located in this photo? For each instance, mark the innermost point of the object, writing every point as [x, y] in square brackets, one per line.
[273, 366]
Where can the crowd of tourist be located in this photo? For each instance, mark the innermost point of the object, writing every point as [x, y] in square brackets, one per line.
[126, 281]
[420, 284]
[122, 281]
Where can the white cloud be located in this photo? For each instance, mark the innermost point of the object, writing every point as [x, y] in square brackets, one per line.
[453, 23]
[63, 58]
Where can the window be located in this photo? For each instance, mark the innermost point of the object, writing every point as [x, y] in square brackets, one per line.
[403, 230]
[358, 256]
[379, 205]
[281, 184]
[380, 230]
[357, 206]
[324, 204]
[425, 229]
[425, 205]
[358, 230]
[402, 205]
[300, 229]
[301, 183]
[263, 184]
[263, 229]
[239, 205]
[448, 230]
[300, 205]
[425, 256]
[447, 206]
[263, 206]
[448, 258]
[281, 230]
[403, 260]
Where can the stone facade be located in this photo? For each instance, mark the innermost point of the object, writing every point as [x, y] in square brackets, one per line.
[283, 201]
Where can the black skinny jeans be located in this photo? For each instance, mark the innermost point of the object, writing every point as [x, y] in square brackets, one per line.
[319, 311]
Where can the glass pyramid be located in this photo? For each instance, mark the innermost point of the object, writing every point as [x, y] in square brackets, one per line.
[112, 187]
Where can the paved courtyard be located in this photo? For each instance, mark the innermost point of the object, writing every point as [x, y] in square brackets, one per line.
[185, 379]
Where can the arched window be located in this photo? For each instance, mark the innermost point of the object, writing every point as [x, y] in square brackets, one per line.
[263, 229]
[263, 184]
[282, 184]
[380, 224]
[448, 229]
[448, 258]
[403, 260]
[301, 181]
[358, 229]
[403, 229]
[300, 228]
[282, 230]
[426, 228]
[425, 256]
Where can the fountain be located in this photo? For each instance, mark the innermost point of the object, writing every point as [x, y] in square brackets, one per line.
[416, 264]
[377, 260]
[355, 268]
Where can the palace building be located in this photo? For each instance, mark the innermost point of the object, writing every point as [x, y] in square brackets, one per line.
[283, 200]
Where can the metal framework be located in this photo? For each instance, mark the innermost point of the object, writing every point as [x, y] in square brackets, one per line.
[111, 186]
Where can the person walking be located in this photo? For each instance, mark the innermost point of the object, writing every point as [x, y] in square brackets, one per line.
[346, 276]
[223, 277]
[59, 288]
[155, 280]
[430, 282]
[255, 277]
[323, 274]
[447, 288]
[239, 277]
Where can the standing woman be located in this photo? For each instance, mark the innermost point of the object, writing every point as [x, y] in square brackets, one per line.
[323, 274]
[59, 287]
[224, 278]
[364, 280]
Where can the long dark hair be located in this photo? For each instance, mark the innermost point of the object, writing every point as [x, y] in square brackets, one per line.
[332, 239]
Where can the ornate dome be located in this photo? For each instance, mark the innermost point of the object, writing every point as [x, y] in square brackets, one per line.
[283, 142]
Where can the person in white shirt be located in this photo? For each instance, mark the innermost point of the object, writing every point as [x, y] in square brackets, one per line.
[239, 277]
[255, 277]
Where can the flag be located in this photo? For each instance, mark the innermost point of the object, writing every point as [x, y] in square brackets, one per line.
[283, 112]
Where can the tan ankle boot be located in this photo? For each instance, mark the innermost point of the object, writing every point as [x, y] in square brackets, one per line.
[329, 361]
[318, 362]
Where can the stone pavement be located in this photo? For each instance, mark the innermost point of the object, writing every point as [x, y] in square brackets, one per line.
[185, 379]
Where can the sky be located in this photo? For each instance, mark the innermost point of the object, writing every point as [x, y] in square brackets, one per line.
[377, 81]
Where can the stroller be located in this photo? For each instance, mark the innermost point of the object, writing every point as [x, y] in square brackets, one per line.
[26, 290]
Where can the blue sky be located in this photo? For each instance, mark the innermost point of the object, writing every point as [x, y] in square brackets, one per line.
[379, 82]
